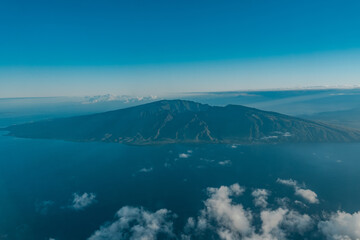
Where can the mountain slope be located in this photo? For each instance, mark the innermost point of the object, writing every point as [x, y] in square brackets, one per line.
[179, 121]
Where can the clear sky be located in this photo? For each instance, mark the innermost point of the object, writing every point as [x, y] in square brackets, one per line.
[73, 47]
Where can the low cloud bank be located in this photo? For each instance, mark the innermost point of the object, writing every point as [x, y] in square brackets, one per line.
[225, 217]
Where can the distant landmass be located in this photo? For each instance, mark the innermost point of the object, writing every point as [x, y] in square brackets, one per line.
[180, 121]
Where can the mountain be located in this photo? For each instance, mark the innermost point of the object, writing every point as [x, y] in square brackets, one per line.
[179, 121]
[348, 118]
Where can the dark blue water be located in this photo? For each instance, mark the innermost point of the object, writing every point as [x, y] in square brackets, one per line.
[36, 172]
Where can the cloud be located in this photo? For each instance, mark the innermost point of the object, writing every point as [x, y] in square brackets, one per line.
[82, 201]
[260, 197]
[145, 170]
[277, 224]
[221, 215]
[287, 134]
[225, 162]
[44, 206]
[187, 154]
[136, 223]
[271, 221]
[306, 194]
[226, 219]
[341, 226]
[301, 204]
[296, 222]
[184, 155]
[288, 182]
[121, 98]
[231, 219]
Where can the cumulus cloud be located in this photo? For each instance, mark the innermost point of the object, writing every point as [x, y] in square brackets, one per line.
[306, 194]
[224, 217]
[277, 224]
[260, 197]
[296, 222]
[341, 226]
[229, 220]
[136, 223]
[82, 201]
[271, 220]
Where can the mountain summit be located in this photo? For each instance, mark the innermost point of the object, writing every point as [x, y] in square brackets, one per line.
[179, 121]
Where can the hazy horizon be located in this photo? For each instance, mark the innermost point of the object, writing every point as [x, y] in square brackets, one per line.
[67, 48]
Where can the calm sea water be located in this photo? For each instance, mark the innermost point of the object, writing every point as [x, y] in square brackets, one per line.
[38, 178]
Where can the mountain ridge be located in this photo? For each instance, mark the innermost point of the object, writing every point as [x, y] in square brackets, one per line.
[181, 121]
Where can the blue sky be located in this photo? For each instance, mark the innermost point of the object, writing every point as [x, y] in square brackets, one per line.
[67, 48]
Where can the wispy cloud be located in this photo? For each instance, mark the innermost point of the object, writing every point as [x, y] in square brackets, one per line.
[44, 206]
[225, 162]
[145, 170]
[121, 98]
[80, 202]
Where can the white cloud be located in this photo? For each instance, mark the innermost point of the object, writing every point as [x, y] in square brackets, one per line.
[277, 224]
[136, 223]
[271, 221]
[120, 98]
[184, 155]
[269, 137]
[225, 162]
[221, 215]
[287, 182]
[230, 221]
[341, 226]
[82, 201]
[287, 134]
[296, 222]
[306, 194]
[301, 204]
[145, 170]
[260, 197]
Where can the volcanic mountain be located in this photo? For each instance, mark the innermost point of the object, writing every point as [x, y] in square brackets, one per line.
[180, 121]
